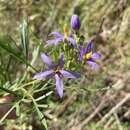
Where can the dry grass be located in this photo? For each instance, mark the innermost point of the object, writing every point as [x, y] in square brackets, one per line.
[103, 99]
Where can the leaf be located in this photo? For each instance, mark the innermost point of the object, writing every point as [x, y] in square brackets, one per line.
[40, 115]
[10, 91]
[4, 44]
[18, 109]
[24, 38]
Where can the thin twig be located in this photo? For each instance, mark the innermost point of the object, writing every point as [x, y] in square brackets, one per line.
[9, 111]
[109, 122]
[114, 109]
[118, 121]
[99, 107]
[66, 104]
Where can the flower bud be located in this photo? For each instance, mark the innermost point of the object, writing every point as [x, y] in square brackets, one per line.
[75, 22]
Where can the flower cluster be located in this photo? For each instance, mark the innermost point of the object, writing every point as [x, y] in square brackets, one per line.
[69, 55]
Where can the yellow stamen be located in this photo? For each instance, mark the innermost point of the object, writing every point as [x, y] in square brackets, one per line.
[65, 31]
[87, 56]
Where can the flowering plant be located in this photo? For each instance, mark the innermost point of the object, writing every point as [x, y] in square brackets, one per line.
[72, 56]
[65, 56]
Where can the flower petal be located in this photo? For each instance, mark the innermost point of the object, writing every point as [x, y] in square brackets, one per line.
[96, 55]
[82, 52]
[59, 86]
[61, 61]
[72, 41]
[46, 59]
[57, 34]
[93, 64]
[68, 74]
[54, 41]
[44, 74]
[89, 46]
[80, 57]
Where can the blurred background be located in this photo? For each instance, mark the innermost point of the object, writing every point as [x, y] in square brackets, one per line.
[101, 99]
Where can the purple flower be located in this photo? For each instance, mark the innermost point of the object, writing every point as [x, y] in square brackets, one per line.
[56, 70]
[88, 56]
[59, 37]
[75, 22]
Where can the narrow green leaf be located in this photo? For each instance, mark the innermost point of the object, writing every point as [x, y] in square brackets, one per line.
[10, 91]
[17, 109]
[40, 115]
[5, 45]
[24, 38]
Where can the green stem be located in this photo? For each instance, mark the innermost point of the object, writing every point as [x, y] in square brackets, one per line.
[40, 115]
